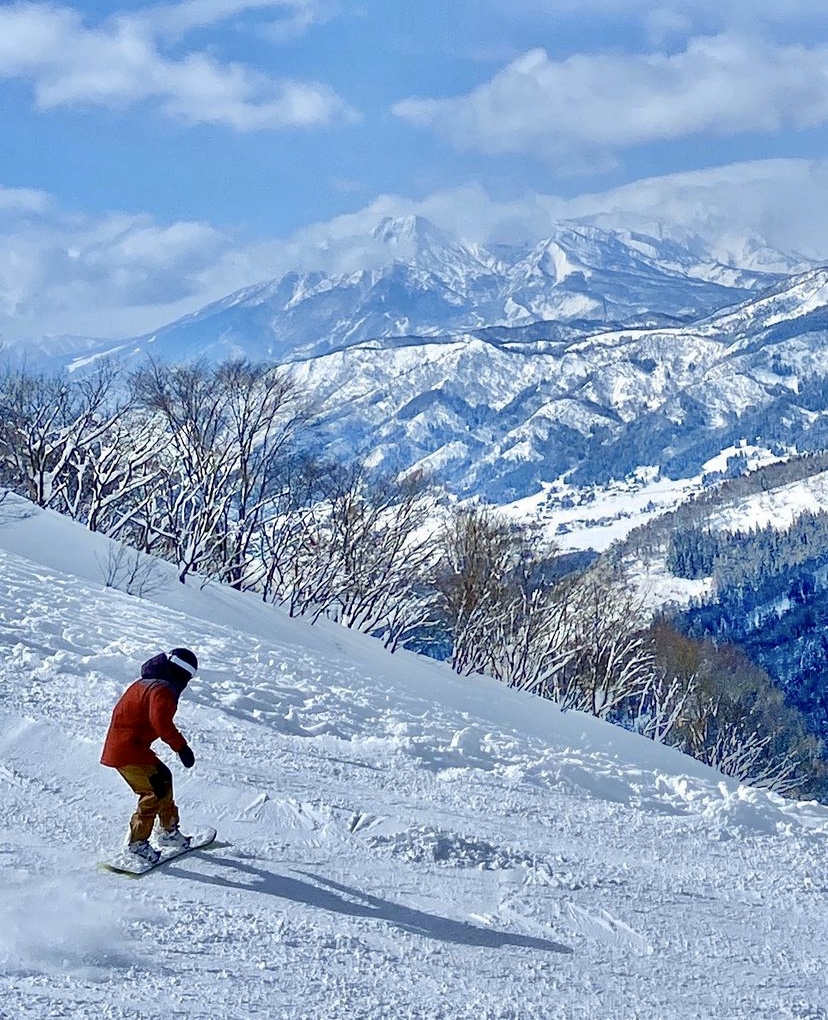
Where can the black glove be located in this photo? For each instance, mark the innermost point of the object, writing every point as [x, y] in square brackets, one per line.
[187, 757]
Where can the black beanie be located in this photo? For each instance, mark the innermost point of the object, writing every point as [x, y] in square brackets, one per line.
[184, 662]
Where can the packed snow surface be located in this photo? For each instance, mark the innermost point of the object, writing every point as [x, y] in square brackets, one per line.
[394, 840]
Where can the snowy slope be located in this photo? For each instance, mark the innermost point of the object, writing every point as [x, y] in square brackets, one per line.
[777, 508]
[396, 841]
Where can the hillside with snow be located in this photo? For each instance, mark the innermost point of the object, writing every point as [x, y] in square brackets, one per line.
[394, 840]
[487, 413]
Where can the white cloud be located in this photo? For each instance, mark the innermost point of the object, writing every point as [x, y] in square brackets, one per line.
[587, 107]
[23, 200]
[176, 20]
[115, 275]
[120, 62]
[784, 201]
[301, 16]
[663, 23]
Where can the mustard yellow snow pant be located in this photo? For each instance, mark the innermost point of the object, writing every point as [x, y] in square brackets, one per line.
[153, 784]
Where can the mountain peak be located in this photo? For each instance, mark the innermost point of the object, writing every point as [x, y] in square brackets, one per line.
[396, 230]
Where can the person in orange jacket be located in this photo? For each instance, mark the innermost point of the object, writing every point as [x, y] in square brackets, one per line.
[143, 714]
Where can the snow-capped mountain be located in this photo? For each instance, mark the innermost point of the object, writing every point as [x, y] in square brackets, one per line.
[499, 415]
[593, 353]
[425, 282]
[584, 272]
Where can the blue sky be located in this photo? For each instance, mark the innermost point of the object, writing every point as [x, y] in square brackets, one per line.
[158, 155]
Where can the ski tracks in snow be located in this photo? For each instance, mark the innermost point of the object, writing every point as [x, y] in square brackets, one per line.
[395, 847]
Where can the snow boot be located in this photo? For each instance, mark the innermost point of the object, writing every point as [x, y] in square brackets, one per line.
[142, 848]
[172, 837]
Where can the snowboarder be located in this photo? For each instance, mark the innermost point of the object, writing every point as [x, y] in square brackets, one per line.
[143, 714]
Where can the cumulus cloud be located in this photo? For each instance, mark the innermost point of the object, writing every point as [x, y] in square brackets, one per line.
[115, 275]
[120, 62]
[588, 107]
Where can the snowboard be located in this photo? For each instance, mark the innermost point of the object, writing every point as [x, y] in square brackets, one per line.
[130, 864]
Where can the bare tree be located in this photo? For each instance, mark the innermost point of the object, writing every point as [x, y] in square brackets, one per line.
[580, 641]
[47, 422]
[263, 415]
[730, 715]
[747, 754]
[379, 537]
[225, 431]
[131, 571]
[475, 581]
[614, 660]
[277, 544]
[532, 640]
[360, 551]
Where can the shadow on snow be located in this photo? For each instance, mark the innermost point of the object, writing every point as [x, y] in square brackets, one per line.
[325, 894]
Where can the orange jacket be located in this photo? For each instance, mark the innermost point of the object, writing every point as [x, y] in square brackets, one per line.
[143, 714]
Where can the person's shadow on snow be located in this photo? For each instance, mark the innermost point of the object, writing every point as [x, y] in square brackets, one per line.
[326, 894]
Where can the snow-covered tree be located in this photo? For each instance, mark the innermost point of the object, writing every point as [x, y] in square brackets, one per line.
[356, 548]
[50, 426]
[225, 432]
[480, 553]
[613, 659]
[109, 485]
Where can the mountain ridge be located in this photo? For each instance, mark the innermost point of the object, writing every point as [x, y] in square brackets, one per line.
[498, 371]
[424, 281]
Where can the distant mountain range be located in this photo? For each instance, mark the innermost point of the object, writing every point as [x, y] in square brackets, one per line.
[496, 369]
[425, 282]
[494, 413]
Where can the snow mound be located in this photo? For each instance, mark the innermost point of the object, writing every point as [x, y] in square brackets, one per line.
[425, 843]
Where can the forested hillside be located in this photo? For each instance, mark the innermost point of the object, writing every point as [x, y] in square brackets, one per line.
[762, 539]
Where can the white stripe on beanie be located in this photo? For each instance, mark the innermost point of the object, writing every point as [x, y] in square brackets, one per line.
[188, 668]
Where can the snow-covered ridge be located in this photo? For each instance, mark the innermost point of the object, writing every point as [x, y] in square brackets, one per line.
[517, 415]
[394, 840]
[408, 276]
